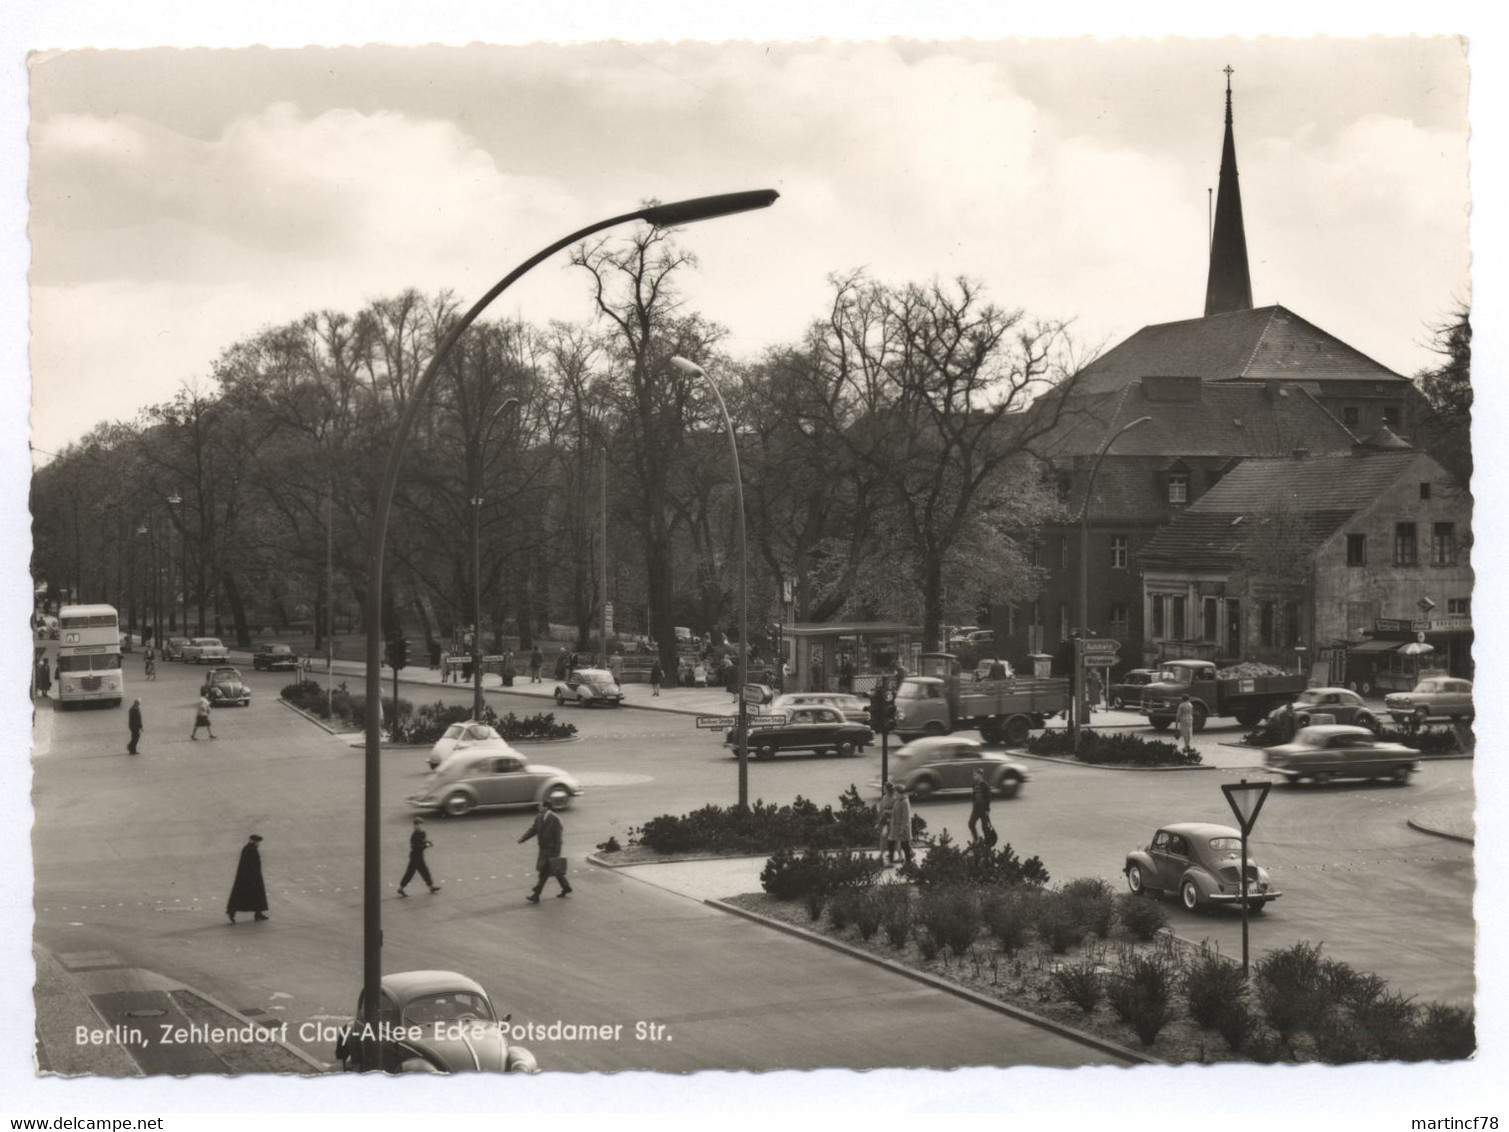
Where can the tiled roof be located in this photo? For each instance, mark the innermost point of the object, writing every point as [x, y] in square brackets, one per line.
[1302, 501]
[1266, 344]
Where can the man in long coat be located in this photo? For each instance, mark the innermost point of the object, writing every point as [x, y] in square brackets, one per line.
[248, 893]
[549, 833]
[133, 724]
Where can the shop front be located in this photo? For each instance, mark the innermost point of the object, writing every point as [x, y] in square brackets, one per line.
[835, 657]
[1401, 653]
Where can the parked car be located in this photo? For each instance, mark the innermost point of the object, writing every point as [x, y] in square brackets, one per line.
[588, 686]
[948, 762]
[819, 729]
[471, 780]
[205, 650]
[270, 657]
[1437, 697]
[471, 735]
[855, 708]
[1200, 862]
[434, 1022]
[1327, 751]
[1342, 705]
[226, 688]
[172, 648]
[1127, 692]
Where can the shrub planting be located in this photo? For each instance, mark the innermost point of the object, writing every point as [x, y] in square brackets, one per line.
[951, 917]
[789, 877]
[1291, 988]
[1116, 749]
[762, 828]
[948, 864]
[867, 912]
[1054, 922]
[1141, 916]
[1211, 985]
[927, 943]
[841, 907]
[896, 919]
[1142, 994]
[421, 725]
[1444, 1033]
[1091, 904]
[1010, 915]
[1081, 983]
[1235, 1021]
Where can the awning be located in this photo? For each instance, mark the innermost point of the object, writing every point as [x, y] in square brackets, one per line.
[1377, 646]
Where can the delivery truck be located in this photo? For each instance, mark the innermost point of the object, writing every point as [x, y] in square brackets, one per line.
[945, 698]
[1227, 692]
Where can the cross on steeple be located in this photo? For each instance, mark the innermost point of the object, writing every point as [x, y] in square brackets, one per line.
[1229, 73]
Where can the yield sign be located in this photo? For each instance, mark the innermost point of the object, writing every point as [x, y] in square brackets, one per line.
[1246, 800]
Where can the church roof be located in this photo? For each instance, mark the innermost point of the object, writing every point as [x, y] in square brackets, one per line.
[1265, 344]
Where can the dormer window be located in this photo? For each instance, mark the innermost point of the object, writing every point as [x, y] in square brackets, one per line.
[1178, 487]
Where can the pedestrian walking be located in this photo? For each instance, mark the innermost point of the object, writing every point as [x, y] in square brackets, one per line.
[419, 841]
[616, 667]
[560, 665]
[901, 821]
[248, 893]
[547, 830]
[1184, 716]
[133, 724]
[202, 717]
[1093, 685]
[885, 809]
[44, 677]
[657, 677]
[536, 662]
[979, 813]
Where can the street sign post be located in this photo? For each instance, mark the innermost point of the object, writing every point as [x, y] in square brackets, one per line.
[1246, 801]
[1093, 645]
[719, 722]
[716, 721]
[757, 694]
[1100, 660]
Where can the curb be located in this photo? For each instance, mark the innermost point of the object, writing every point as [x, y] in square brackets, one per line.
[1121, 1052]
[1423, 828]
[602, 861]
[1106, 766]
[322, 1067]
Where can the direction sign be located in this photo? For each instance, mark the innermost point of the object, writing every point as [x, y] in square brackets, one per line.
[717, 720]
[1098, 645]
[1099, 660]
[757, 694]
[775, 719]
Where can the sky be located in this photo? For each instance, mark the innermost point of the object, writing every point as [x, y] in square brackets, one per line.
[158, 205]
[181, 200]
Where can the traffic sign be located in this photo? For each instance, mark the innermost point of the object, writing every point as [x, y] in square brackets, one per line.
[757, 694]
[717, 720]
[775, 719]
[1099, 660]
[1098, 645]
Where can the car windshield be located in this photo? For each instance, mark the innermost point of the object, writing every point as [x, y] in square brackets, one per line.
[458, 1006]
[1225, 844]
[1310, 697]
[910, 690]
[596, 676]
[205, 642]
[454, 731]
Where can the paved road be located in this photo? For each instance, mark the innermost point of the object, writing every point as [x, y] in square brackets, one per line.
[134, 856]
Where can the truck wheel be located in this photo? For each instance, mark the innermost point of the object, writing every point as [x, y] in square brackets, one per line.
[991, 732]
[1200, 716]
[1160, 722]
[934, 727]
[1017, 730]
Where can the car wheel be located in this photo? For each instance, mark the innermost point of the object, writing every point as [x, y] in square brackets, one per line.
[1256, 906]
[765, 751]
[924, 786]
[1364, 719]
[559, 796]
[457, 804]
[1189, 893]
[583, 702]
[1117, 702]
[934, 727]
[1135, 881]
[1017, 730]
[560, 698]
[1401, 775]
[1009, 786]
[845, 749]
[1321, 777]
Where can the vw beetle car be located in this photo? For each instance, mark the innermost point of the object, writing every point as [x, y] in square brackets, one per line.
[270, 657]
[948, 762]
[226, 688]
[1326, 751]
[473, 780]
[1199, 861]
[1341, 704]
[1438, 697]
[588, 686]
[818, 728]
[433, 1022]
[471, 735]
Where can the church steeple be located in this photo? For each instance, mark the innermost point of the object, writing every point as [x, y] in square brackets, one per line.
[1228, 287]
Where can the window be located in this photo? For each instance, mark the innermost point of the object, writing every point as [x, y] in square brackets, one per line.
[1118, 552]
[1118, 618]
[1176, 618]
[1265, 623]
[1157, 616]
[1425, 490]
[1443, 544]
[1459, 606]
[1391, 416]
[1210, 619]
[1351, 417]
[1291, 624]
[1063, 621]
[1178, 487]
[1357, 550]
[1063, 551]
[1406, 552]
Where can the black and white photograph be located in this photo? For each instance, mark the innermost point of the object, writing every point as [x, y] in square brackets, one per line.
[950, 553]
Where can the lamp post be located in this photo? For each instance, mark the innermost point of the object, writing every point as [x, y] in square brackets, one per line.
[174, 499]
[733, 447]
[512, 402]
[149, 595]
[1080, 706]
[660, 215]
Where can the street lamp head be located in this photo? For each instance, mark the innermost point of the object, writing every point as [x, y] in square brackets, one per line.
[141, 530]
[707, 208]
[174, 498]
[687, 367]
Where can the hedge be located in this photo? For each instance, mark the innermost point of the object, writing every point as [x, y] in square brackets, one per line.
[1114, 749]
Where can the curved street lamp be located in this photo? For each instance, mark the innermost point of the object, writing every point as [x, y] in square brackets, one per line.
[511, 403]
[661, 216]
[733, 447]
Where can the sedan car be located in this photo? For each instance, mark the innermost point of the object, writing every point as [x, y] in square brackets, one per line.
[270, 657]
[471, 780]
[1200, 862]
[471, 735]
[205, 650]
[172, 648]
[1438, 697]
[587, 686]
[1341, 704]
[432, 1022]
[225, 688]
[819, 729]
[1128, 690]
[855, 708]
[948, 762]
[1327, 751]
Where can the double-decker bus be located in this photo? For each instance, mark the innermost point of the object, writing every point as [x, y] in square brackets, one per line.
[89, 655]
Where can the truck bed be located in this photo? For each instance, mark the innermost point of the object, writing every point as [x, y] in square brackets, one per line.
[1020, 695]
